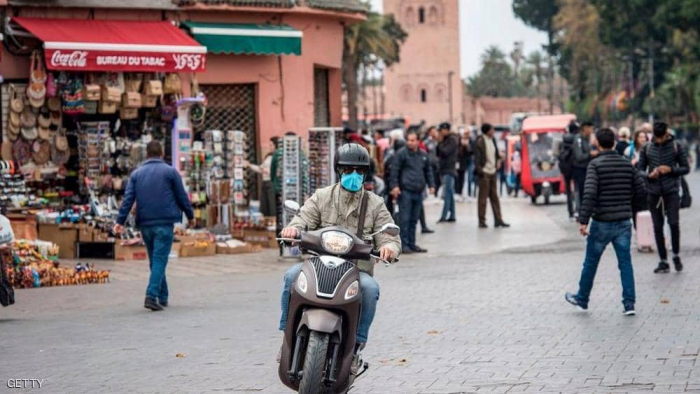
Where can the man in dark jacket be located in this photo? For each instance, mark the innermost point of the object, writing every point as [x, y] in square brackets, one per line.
[431, 142]
[447, 154]
[583, 154]
[486, 159]
[410, 174]
[612, 187]
[665, 162]
[160, 199]
[566, 165]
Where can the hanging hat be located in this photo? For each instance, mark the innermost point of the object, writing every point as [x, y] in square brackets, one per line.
[22, 151]
[16, 103]
[13, 128]
[30, 133]
[41, 152]
[44, 120]
[59, 157]
[44, 133]
[28, 118]
[14, 118]
[55, 104]
[12, 133]
[37, 94]
[56, 119]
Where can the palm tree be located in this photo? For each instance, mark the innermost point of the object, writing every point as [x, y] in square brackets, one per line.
[536, 60]
[379, 37]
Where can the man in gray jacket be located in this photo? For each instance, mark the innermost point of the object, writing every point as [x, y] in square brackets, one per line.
[583, 154]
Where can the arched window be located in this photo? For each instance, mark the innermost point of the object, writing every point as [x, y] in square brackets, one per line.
[421, 15]
[423, 95]
[440, 93]
[410, 16]
[433, 15]
[406, 93]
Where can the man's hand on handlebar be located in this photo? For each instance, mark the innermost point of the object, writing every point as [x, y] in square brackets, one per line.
[289, 232]
[386, 254]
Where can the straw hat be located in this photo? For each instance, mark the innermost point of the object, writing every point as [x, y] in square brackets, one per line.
[44, 133]
[30, 133]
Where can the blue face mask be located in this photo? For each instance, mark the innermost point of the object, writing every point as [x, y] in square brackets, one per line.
[352, 182]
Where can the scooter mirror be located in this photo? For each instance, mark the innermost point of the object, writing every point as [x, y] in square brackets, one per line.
[390, 229]
[292, 207]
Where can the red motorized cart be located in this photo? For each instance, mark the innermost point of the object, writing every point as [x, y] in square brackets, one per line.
[540, 164]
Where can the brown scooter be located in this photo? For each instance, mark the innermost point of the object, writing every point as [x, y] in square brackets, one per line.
[324, 309]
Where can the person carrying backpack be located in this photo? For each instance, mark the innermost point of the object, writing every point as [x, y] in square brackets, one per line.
[566, 164]
[665, 162]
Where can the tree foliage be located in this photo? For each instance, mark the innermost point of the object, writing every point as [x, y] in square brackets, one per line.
[540, 15]
[376, 39]
[496, 77]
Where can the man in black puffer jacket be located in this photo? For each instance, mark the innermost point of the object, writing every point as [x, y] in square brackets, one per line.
[665, 162]
[612, 187]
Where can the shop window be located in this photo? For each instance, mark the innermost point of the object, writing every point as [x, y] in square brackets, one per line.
[410, 16]
[423, 95]
[322, 117]
[406, 93]
[433, 16]
[421, 15]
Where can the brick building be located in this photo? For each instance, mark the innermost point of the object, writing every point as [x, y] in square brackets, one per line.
[426, 84]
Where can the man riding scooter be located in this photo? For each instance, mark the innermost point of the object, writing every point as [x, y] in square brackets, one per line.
[341, 205]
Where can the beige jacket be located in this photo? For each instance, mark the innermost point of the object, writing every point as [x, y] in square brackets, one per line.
[334, 206]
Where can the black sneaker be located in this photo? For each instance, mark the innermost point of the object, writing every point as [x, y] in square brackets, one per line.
[164, 304]
[677, 263]
[572, 299]
[427, 231]
[407, 251]
[663, 268]
[502, 224]
[629, 309]
[152, 304]
[483, 225]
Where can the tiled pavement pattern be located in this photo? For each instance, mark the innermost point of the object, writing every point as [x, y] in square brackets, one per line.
[459, 323]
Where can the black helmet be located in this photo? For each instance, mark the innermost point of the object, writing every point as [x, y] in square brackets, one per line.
[351, 155]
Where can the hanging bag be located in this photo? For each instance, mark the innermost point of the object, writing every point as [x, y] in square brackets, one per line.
[172, 84]
[16, 103]
[37, 73]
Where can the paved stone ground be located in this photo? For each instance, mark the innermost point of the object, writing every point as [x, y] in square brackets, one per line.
[464, 318]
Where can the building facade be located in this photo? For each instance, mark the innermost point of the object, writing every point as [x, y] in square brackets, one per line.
[426, 84]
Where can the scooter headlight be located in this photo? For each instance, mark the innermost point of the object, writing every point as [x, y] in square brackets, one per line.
[352, 290]
[336, 242]
[302, 284]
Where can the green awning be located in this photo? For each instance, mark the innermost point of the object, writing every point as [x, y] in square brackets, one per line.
[245, 39]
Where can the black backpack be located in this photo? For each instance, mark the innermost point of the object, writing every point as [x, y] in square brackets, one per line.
[566, 154]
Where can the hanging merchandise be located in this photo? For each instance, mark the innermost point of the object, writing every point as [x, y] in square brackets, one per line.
[73, 101]
[323, 143]
[172, 84]
[291, 173]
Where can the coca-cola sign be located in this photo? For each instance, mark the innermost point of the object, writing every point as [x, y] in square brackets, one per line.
[75, 59]
[98, 60]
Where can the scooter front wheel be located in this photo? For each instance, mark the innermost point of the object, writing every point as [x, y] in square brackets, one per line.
[314, 364]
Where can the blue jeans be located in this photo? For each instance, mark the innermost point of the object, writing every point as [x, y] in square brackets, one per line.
[370, 296]
[410, 206]
[471, 180]
[601, 234]
[159, 241]
[448, 194]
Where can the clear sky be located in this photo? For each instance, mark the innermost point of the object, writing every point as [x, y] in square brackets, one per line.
[489, 22]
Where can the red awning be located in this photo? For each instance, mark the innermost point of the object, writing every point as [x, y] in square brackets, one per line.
[108, 45]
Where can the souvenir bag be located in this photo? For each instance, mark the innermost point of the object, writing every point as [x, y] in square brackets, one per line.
[22, 151]
[36, 91]
[172, 84]
[111, 94]
[108, 107]
[132, 82]
[131, 100]
[128, 113]
[41, 152]
[16, 102]
[73, 101]
[91, 107]
[51, 86]
[153, 87]
[91, 90]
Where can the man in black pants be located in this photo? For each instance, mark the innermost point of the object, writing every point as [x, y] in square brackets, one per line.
[583, 154]
[666, 162]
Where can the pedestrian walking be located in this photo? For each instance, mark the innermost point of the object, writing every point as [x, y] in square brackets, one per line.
[447, 152]
[665, 161]
[632, 152]
[623, 140]
[566, 166]
[430, 143]
[613, 187]
[410, 175]
[486, 160]
[583, 154]
[267, 199]
[160, 199]
[516, 168]
[465, 159]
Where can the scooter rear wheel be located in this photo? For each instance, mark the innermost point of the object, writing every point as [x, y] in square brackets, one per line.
[314, 364]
